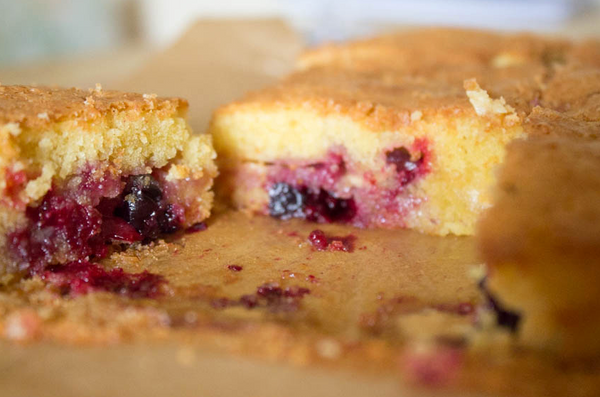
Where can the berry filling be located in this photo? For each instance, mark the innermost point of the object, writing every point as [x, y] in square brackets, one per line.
[504, 318]
[82, 277]
[15, 183]
[315, 205]
[143, 207]
[71, 225]
[270, 296]
[285, 202]
[60, 229]
[406, 168]
[321, 242]
[337, 190]
[197, 227]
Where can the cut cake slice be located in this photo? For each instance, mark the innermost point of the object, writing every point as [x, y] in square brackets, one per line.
[81, 171]
[398, 131]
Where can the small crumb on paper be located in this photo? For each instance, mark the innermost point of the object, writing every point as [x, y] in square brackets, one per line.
[329, 348]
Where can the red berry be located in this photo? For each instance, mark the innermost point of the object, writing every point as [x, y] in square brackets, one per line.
[318, 240]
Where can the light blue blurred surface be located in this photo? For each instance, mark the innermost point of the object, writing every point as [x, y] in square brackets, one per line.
[33, 29]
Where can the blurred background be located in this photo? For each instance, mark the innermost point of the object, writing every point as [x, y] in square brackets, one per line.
[32, 30]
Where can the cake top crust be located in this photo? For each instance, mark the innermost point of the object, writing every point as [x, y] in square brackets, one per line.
[441, 88]
[385, 79]
[421, 49]
[549, 122]
[387, 99]
[39, 107]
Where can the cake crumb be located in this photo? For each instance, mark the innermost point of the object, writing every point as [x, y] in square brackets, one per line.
[329, 348]
[150, 99]
[22, 326]
[425, 364]
[13, 129]
[38, 187]
[177, 172]
[477, 272]
[416, 116]
[507, 59]
[430, 324]
[6, 279]
[89, 101]
[483, 104]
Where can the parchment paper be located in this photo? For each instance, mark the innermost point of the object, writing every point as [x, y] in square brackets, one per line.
[216, 62]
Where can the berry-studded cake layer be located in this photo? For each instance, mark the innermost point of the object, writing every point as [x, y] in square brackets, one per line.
[94, 211]
[411, 153]
[465, 93]
[339, 191]
[437, 182]
[85, 170]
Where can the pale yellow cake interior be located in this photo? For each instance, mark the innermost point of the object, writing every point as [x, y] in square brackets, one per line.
[465, 149]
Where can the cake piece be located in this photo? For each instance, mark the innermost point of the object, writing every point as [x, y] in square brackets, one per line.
[398, 131]
[401, 130]
[541, 239]
[83, 170]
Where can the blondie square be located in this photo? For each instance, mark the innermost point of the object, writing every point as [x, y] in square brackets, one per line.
[398, 131]
[81, 171]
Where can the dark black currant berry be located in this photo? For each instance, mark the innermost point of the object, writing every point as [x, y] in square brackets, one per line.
[504, 318]
[285, 201]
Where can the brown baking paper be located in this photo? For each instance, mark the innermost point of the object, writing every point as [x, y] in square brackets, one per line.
[216, 62]
[369, 317]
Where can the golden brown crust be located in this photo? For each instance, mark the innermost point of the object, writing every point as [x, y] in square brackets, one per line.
[385, 99]
[512, 66]
[422, 50]
[39, 107]
[382, 80]
[549, 122]
[575, 92]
